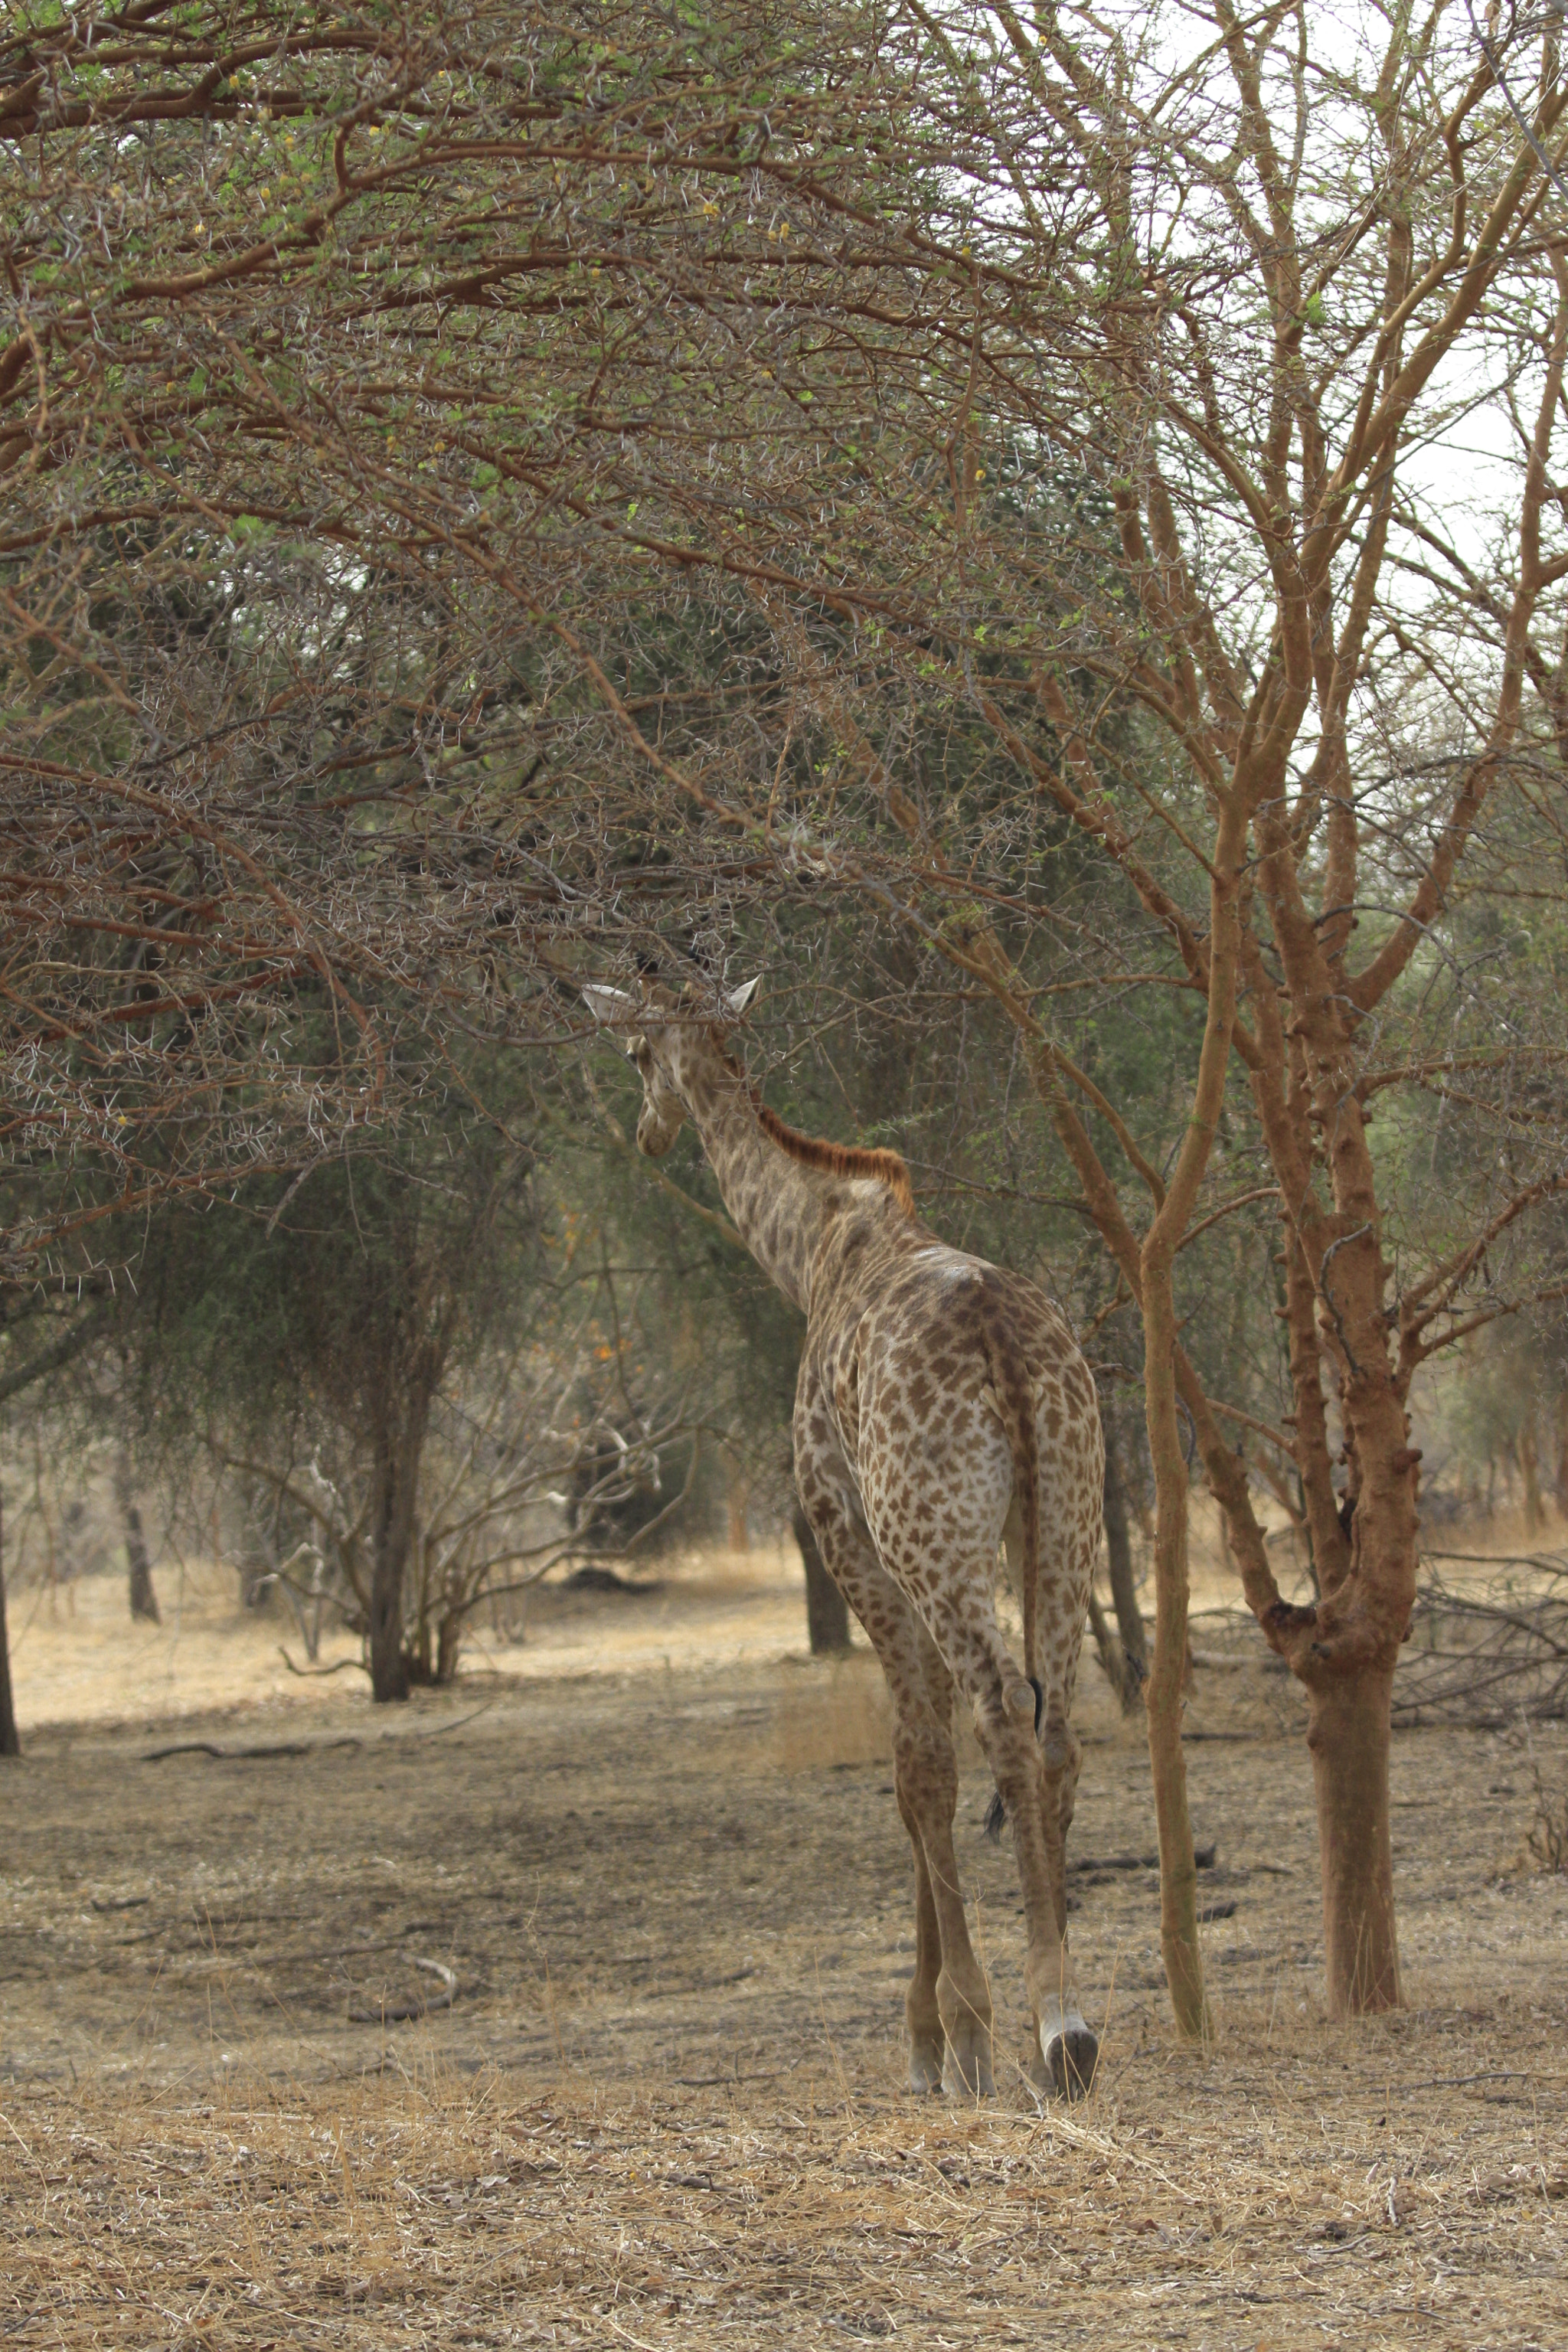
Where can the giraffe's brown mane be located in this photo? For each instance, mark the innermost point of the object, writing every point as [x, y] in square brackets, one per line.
[815, 1151]
[838, 1159]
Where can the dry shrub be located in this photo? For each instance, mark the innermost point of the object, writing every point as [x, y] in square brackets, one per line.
[1546, 1840]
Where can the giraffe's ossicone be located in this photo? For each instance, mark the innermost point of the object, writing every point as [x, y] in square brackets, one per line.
[942, 1408]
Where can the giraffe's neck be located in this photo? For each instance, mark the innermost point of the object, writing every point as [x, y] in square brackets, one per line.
[780, 1209]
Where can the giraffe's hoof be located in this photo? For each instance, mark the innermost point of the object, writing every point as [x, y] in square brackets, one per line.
[925, 2070]
[1069, 2056]
[967, 2073]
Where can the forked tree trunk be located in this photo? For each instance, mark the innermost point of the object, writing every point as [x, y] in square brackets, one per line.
[826, 1610]
[10, 1742]
[144, 1600]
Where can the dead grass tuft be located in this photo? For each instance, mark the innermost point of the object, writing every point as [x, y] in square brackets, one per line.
[1261, 2197]
[1546, 1841]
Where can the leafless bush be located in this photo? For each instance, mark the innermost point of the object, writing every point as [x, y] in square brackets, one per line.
[1490, 1653]
[1546, 1840]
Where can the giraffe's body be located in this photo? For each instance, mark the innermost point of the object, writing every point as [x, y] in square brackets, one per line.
[943, 1405]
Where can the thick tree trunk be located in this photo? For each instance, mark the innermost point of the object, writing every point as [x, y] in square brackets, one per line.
[10, 1742]
[1348, 1735]
[1123, 1590]
[144, 1600]
[826, 1610]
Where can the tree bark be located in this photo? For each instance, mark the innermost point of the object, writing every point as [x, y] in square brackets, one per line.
[1179, 1944]
[826, 1610]
[397, 1476]
[1529, 1463]
[739, 1495]
[1123, 1589]
[1348, 1735]
[143, 1599]
[10, 1740]
[448, 1647]
[1112, 1657]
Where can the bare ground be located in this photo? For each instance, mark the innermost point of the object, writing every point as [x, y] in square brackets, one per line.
[659, 1855]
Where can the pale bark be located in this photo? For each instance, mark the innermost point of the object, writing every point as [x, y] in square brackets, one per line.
[139, 1567]
[1530, 1465]
[1135, 1642]
[10, 1740]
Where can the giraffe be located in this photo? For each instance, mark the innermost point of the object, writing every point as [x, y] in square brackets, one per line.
[942, 1406]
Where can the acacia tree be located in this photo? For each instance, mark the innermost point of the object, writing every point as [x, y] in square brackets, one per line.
[1149, 399]
[1212, 328]
[1072, 383]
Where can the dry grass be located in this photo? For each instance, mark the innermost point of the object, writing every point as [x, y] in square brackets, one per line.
[77, 1658]
[663, 1863]
[1270, 2196]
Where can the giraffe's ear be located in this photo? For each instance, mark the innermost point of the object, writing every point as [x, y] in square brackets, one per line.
[609, 1005]
[738, 998]
[613, 1009]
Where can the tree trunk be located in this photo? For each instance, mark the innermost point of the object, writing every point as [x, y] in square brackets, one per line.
[397, 1476]
[1123, 1590]
[144, 1600]
[1348, 1735]
[1179, 1944]
[10, 1742]
[1529, 1463]
[826, 1610]
[1560, 1480]
[739, 1496]
[1112, 1657]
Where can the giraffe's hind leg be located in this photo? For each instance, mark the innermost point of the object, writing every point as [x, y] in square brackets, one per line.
[1032, 1768]
[948, 2004]
[1065, 2050]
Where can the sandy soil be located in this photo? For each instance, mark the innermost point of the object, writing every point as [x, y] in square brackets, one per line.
[658, 1852]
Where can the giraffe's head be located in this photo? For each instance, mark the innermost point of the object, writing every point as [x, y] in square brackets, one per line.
[656, 1030]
